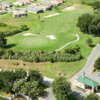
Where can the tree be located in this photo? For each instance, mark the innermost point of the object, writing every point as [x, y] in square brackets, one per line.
[96, 6]
[34, 75]
[61, 88]
[38, 17]
[84, 22]
[23, 27]
[94, 28]
[18, 6]
[3, 41]
[92, 97]
[89, 41]
[97, 63]
[32, 89]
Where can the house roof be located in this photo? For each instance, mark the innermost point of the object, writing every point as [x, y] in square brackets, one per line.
[47, 4]
[42, 7]
[17, 12]
[54, 2]
[6, 3]
[23, 1]
[34, 9]
[3, 11]
[87, 81]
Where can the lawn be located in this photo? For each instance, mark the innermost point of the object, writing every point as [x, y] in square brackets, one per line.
[12, 1]
[63, 27]
[5, 94]
[3, 98]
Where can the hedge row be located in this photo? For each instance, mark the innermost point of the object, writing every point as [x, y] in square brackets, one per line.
[31, 56]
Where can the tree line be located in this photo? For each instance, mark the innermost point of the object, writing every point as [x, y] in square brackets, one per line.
[90, 23]
[14, 81]
[12, 30]
[70, 54]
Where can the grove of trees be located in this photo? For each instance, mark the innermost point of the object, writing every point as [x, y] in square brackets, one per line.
[92, 97]
[14, 81]
[70, 54]
[97, 64]
[61, 88]
[12, 30]
[89, 24]
[3, 41]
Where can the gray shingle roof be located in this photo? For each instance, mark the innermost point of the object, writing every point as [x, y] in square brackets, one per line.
[6, 3]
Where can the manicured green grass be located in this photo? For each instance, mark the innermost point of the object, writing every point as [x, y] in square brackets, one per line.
[5, 94]
[3, 98]
[37, 42]
[12, 1]
[63, 27]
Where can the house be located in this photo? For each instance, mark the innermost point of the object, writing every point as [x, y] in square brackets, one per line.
[43, 7]
[0, 6]
[3, 12]
[22, 2]
[34, 10]
[56, 2]
[48, 4]
[18, 13]
[87, 83]
[6, 4]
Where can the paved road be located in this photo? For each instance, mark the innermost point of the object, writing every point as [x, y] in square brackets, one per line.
[79, 95]
[48, 95]
[89, 65]
[68, 43]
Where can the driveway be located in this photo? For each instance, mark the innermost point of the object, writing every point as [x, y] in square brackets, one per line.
[48, 95]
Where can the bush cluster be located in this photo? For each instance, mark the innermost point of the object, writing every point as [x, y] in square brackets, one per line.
[89, 24]
[13, 30]
[14, 63]
[7, 79]
[70, 54]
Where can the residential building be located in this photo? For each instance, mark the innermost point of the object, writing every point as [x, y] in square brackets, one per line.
[87, 83]
[6, 4]
[22, 2]
[3, 12]
[34, 10]
[18, 13]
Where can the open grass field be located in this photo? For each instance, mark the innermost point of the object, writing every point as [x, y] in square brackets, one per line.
[3, 98]
[63, 27]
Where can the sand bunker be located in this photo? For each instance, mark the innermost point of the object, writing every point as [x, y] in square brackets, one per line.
[51, 15]
[51, 36]
[27, 34]
[69, 9]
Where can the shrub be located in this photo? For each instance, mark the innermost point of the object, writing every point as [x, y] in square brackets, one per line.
[80, 89]
[2, 24]
[23, 27]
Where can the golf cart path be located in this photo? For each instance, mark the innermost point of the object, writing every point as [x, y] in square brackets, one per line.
[68, 43]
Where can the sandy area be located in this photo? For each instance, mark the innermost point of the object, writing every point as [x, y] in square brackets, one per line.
[27, 34]
[51, 15]
[69, 9]
[51, 36]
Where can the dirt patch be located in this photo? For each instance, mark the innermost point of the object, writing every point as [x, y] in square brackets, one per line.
[58, 72]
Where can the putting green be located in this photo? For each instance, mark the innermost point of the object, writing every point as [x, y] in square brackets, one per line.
[34, 41]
